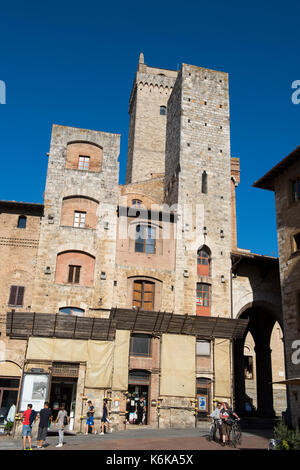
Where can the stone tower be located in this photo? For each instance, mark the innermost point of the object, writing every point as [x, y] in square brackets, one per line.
[79, 224]
[198, 179]
[147, 128]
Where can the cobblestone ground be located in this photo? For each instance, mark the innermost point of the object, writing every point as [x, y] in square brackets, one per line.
[145, 439]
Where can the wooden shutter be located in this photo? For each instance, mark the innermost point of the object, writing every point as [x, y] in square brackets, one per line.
[148, 297]
[77, 274]
[71, 270]
[20, 296]
[16, 296]
[137, 294]
[13, 295]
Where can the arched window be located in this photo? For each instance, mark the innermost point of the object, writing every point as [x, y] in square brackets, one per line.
[145, 236]
[203, 261]
[22, 221]
[136, 202]
[204, 183]
[78, 312]
[163, 110]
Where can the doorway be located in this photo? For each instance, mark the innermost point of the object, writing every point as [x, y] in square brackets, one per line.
[135, 393]
[9, 388]
[63, 391]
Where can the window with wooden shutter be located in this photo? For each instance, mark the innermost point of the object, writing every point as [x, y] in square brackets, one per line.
[16, 296]
[143, 295]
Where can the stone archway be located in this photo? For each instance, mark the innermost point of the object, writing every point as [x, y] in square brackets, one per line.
[262, 319]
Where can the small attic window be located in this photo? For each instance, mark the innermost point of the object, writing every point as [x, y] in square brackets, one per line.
[163, 110]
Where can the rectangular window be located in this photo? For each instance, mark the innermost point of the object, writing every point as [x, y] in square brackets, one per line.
[79, 219]
[203, 295]
[295, 190]
[83, 163]
[16, 296]
[140, 345]
[74, 274]
[145, 239]
[202, 348]
[143, 295]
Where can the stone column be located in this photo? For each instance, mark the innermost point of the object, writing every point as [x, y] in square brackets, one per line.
[239, 379]
[264, 382]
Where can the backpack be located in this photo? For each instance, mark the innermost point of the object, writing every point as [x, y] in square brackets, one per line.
[32, 417]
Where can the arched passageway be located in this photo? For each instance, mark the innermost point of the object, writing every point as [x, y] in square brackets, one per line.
[261, 324]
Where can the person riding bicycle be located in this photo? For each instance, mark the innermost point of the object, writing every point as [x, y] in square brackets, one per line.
[215, 415]
[227, 416]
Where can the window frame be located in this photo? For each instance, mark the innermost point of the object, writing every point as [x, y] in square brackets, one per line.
[82, 216]
[23, 219]
[209, 347]
[143, 283]
[295, 190]
[143, 241]
[74, 274]
[86, 162]
[203, 284]
[16, 296]
[148, 353]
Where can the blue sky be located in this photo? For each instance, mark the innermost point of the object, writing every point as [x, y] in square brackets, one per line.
[73, 63]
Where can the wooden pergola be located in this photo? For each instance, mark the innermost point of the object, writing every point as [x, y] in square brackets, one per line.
[25, 324]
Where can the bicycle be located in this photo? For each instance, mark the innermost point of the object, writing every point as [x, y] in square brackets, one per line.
[236, 433]
[213, 430]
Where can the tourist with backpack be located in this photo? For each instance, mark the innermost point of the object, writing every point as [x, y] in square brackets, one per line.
[29, 416]
[61, 421]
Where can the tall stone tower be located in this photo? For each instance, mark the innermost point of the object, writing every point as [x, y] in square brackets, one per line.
[147, 129]
[198, 179]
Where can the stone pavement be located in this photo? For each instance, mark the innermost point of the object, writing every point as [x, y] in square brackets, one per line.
[145, 439]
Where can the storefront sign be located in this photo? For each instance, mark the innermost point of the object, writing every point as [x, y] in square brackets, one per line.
[34, 390]
[153, 402]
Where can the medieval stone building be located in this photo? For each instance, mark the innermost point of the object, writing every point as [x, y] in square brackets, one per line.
[139, 290]
[284, 180]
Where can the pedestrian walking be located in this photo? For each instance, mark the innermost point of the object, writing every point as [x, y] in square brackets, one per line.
[61, 420]
[28, 419]
[227, 415]
[105, 417]
[90, 418]
[140, 411]
[45, 416]
[215, 415]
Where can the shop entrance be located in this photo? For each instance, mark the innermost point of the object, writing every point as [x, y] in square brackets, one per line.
[63, 391]
[138, 389]
[9, 388]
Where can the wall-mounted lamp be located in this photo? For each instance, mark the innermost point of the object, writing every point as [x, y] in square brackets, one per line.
[185, 273]
[103, 275]
[223, 278]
